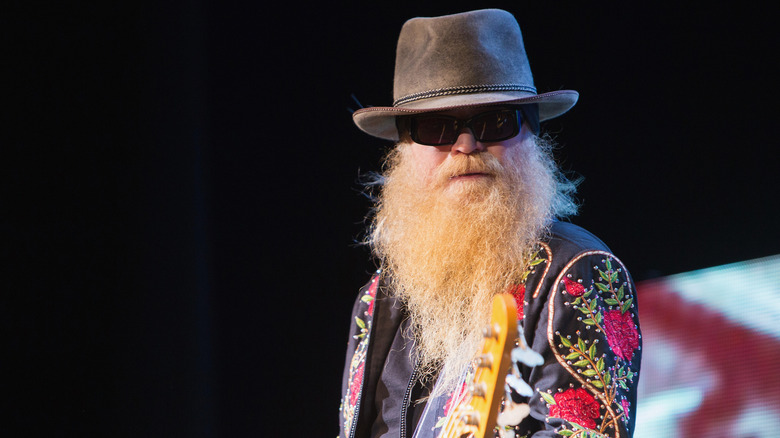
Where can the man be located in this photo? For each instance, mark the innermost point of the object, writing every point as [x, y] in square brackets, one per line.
[468, 209]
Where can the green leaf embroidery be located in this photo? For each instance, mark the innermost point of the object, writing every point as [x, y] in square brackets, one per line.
[602, 287]
[590, 372]
[626, 305]
[360, 323]
[565, 341]
[547, 397]
[611, 301]
[581, 363]
[572, 356]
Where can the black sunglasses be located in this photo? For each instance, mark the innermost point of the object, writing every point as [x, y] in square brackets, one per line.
[440, 130]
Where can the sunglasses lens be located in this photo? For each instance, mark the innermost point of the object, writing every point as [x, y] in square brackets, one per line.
[434, 130]
[495, 125]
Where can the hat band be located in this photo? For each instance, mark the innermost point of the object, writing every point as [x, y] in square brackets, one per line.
[467, 89]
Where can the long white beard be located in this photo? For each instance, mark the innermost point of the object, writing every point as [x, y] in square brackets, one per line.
[450, 247]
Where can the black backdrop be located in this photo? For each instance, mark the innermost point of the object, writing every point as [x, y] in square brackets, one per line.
[179, 197]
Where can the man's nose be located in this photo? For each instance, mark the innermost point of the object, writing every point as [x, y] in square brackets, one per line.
[466, 143]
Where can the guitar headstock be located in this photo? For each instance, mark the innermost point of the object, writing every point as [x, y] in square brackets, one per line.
[476, 415]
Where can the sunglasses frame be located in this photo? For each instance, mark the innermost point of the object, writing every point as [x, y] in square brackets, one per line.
[407, 124]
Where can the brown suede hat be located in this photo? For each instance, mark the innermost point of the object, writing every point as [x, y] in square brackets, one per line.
[468, 59]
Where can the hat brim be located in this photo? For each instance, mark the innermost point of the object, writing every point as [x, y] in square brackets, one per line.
[380, 121]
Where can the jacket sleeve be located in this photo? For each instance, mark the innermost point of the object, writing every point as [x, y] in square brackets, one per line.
[581, 316]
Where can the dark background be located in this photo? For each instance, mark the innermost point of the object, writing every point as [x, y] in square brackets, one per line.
[179, 198]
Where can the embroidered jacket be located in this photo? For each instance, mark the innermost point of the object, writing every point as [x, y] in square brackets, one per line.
[578, 309]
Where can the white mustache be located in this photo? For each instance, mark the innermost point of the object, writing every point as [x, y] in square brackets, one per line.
[482, 162]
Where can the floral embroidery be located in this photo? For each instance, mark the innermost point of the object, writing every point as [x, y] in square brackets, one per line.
[358, 362]
[573, 288]
[626, 407]
[354, 386]
[606, 307]
[369, 298]
[518, 291]
[621, 333]
[576, 406]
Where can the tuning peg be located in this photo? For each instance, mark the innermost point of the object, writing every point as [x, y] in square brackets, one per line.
[478, 390]
[471, 418]
[491, 331]
[484, 360]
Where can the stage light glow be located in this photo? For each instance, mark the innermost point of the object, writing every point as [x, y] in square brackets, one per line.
[710, 353]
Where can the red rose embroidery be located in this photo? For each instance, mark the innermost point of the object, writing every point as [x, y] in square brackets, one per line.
[518, 291]
[621, 333]
[626, 406]
[354, 387]
[573, 288]
[372, 294]
[576, 406]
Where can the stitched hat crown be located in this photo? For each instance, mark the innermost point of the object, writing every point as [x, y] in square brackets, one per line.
[473, 52]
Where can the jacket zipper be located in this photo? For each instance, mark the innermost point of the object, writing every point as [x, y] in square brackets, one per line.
[353, 429]
[407, 400]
